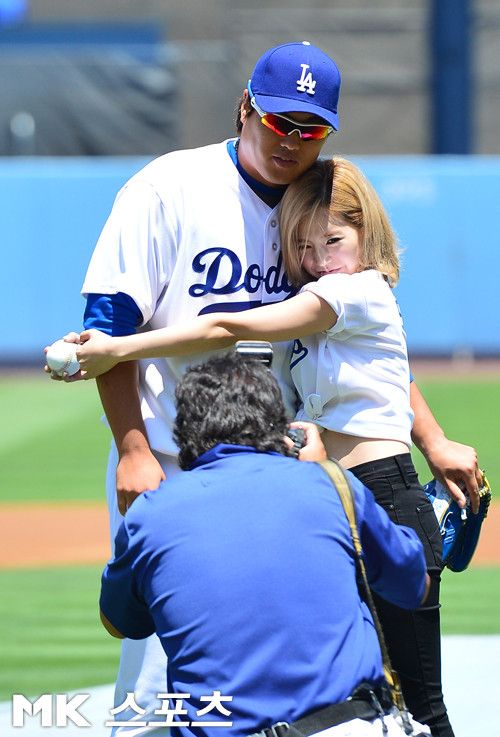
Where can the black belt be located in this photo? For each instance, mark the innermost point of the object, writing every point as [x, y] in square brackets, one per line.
[364, 704]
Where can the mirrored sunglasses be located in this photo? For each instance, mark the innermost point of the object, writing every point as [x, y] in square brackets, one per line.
[283, 126]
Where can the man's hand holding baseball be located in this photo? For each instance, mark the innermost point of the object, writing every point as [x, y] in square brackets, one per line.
[71, 337]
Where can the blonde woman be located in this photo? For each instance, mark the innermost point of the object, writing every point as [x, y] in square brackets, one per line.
[350, 368]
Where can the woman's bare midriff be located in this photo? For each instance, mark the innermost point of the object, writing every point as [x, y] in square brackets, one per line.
[351, 450]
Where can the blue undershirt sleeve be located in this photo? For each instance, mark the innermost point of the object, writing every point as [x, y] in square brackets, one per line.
[120, 601]
[113, 314]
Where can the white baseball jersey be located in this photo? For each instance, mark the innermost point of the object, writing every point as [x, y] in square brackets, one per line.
[354, 378]
[187, 236]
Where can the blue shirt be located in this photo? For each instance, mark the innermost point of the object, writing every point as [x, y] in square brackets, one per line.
[244, 567]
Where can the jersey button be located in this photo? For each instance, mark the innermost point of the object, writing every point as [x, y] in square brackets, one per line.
[273, 223]
[275, 246]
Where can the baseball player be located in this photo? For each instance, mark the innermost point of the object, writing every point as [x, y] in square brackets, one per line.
[195, 232]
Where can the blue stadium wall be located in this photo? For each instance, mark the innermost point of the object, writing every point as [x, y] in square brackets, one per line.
[445, 210]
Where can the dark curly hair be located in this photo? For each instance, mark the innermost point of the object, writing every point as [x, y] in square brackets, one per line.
[228, 399]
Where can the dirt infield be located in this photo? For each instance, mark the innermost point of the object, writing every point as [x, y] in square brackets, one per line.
[456, 368]
[53, 534]
[50, 535]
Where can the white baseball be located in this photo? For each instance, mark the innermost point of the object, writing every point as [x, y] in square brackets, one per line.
[61, 358]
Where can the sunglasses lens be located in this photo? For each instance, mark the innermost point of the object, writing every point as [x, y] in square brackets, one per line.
[317, 133]
[283, 127]
[275, 124]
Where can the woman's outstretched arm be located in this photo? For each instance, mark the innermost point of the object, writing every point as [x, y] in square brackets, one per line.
[302, 315]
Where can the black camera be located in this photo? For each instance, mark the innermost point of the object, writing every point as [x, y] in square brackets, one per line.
[298, 436]
[258, 350]
[261, 350]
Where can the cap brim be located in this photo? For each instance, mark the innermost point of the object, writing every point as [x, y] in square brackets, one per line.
[286, 105]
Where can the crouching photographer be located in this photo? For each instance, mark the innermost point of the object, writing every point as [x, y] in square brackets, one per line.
[251, 586]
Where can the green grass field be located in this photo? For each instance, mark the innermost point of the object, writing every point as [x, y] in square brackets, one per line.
[51, 638]
[469, 412]
[52, 443]
[53, 447]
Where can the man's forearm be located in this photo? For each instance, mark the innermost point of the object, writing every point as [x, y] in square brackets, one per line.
[119, 395]
[138, 469]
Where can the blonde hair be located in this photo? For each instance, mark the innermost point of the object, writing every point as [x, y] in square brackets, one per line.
[340, 187]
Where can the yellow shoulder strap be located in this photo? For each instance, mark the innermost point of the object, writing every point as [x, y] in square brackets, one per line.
[341, 484]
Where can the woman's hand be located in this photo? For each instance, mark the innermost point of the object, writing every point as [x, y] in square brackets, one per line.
[96, 353]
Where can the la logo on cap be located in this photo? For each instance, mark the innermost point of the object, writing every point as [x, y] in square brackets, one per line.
[297, 77]
[306, 82]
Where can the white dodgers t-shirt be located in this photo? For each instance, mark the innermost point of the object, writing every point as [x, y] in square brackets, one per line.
[354, 377]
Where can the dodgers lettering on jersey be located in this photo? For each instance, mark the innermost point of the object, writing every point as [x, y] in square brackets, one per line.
[299, 352]
[210, 263]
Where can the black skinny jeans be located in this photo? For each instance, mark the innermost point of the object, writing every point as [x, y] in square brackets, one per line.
[413, 637]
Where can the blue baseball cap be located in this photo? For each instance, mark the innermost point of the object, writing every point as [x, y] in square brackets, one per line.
[300, 78]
